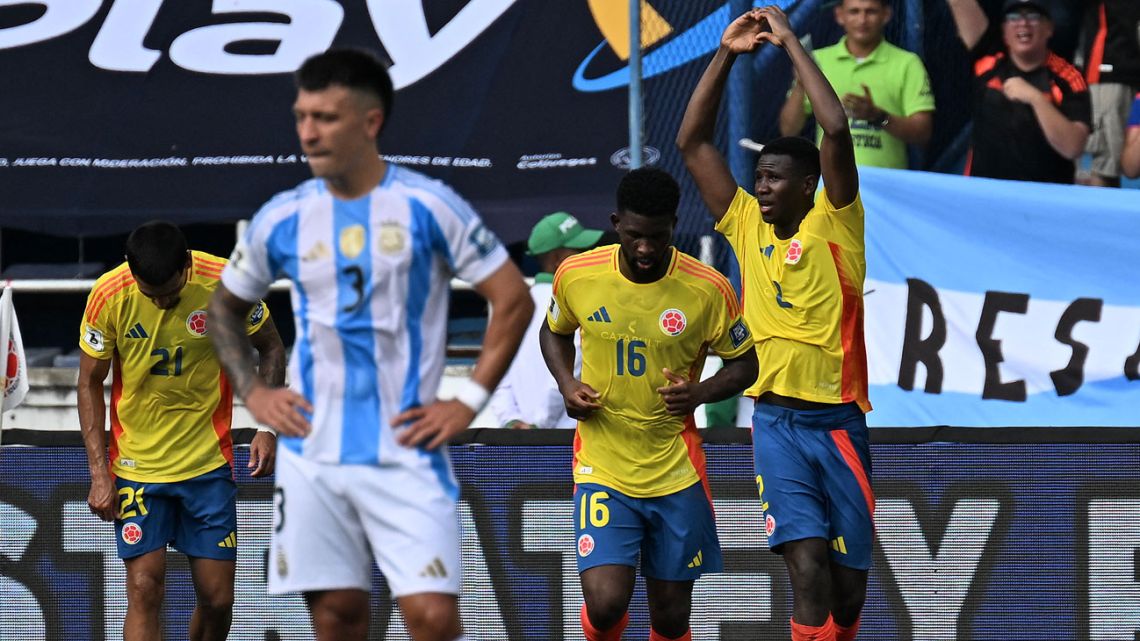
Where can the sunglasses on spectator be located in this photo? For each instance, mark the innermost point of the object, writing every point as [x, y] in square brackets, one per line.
[1028, 16]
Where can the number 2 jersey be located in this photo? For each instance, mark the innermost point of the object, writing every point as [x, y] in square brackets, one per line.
[171, 403]
[630, 332]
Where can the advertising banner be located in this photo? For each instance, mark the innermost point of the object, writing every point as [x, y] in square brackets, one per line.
[120, 111]
[993, 303]
[980, 542]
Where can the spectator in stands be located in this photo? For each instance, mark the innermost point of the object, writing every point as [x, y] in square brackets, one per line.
[528, 396]
[169, 479]
[369, 247]
[1130, 157]
[1110, 55]
[1031, 107]
[885, 90]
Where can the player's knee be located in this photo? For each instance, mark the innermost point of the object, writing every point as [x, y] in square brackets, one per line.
[436, 620]
[848, 603]
[606, 610]
[146, 590]
[218, 603]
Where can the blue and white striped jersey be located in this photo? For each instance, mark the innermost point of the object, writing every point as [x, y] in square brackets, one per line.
[370, 288]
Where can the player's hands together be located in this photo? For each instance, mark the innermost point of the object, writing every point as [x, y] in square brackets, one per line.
[280, 408]
[580, 399]
[1018, 89]
[681, 396]
[779, 30]
[262, 454]
[743, 34]
[101, 497]
[862, 107]
[435, 423]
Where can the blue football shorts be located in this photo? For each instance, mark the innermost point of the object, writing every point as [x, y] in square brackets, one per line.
[674, 535]
[197, 516]
[813, 471]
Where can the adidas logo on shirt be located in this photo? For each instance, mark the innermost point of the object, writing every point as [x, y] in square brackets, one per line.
[434, 569]
[137, 332]
[600, 316]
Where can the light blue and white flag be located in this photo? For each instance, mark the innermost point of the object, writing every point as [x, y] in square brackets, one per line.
[995, 303]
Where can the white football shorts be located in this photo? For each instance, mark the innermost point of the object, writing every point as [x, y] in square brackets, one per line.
[331, 521]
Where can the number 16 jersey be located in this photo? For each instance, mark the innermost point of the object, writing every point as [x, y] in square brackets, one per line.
[630, 332]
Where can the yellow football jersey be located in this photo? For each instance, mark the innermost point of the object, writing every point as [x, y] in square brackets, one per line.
[171, 403]
[803, 300]
[630, 331]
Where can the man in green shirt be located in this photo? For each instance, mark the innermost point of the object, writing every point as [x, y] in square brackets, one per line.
[885, 90]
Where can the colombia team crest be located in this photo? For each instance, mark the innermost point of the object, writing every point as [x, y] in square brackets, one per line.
[795, 251]
[132, 533]
[585, 545]
[196, 322]
[672, 321]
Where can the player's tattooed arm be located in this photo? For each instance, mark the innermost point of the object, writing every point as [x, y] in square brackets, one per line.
[277, 407]
[270, 354]
[227, 320]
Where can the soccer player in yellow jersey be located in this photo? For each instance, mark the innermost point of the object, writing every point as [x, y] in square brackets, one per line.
[802, 262]
[169, 477]
[648, 316]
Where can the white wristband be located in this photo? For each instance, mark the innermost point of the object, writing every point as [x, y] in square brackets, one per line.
[472, 395]
[266, 428]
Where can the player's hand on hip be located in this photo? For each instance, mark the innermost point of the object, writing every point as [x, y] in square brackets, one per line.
[433, 425]
[280, 408]
[581, 400]
[262, 454]
[101, 497]
[680, 395]
[743, 34]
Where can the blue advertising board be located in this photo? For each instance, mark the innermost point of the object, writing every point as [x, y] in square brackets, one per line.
[974, 541]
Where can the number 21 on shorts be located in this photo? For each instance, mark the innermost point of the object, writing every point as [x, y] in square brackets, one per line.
[597, 513]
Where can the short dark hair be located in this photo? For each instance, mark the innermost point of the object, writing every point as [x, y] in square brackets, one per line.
[351, 68]
[884, 3]
[156, 252]
[804, 154]
[648, 191]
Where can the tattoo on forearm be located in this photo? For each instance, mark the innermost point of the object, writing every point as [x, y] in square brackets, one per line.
[232, 346]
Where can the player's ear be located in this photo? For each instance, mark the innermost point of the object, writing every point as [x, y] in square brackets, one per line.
[811, 183]
[615, 219]
[189, 259]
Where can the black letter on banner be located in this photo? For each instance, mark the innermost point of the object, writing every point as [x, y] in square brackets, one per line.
[1068, 380]
[1132, 366]
[917, 349]
[994, 304]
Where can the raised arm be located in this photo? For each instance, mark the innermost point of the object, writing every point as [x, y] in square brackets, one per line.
[836, 151]
[92, 423]
[970, 20]
[792, 114]
[695, 137]
[270, 405]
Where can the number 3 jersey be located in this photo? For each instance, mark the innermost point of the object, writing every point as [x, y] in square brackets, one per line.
[370, 290]
[171, 403]
[630, 332]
